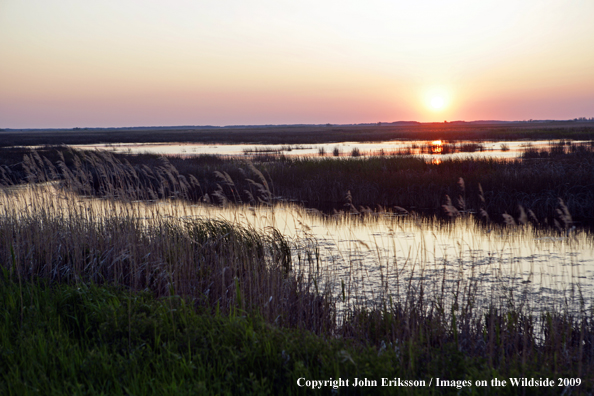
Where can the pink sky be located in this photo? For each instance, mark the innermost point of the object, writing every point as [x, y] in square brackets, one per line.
[132, 63]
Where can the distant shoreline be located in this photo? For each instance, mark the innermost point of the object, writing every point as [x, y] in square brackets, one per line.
[363, 124]
[303, 134]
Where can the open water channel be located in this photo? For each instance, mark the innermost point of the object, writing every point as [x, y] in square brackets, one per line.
[362, 257]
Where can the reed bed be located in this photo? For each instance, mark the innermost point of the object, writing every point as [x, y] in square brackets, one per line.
[559, 150]
[322, 183]
[46, 233]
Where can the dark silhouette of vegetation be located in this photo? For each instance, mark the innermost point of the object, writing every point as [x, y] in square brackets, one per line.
[305, 134]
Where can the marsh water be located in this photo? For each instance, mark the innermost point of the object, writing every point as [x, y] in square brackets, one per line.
[365, 256]
[459, 149]
[386, 254]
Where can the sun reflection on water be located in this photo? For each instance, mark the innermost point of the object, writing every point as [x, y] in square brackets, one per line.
[436, 147]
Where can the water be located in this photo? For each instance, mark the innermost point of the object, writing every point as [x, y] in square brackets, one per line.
[387, 254]
[383, 254]
[499, 149]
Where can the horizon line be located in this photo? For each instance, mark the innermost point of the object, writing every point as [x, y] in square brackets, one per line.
[380, 123]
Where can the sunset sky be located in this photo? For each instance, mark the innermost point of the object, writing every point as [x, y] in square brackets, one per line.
[67, 63]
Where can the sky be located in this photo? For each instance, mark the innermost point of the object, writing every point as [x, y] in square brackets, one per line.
[110, 63]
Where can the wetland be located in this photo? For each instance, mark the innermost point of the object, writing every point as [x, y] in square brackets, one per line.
[485, 256]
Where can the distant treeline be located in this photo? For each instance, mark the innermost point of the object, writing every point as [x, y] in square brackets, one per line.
[305, 134]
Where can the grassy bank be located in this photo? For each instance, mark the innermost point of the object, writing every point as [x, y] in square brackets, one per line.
[89, 340]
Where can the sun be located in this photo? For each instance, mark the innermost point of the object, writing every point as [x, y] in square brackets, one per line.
[437, 102]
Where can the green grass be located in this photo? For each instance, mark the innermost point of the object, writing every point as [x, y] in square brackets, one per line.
[91, 340]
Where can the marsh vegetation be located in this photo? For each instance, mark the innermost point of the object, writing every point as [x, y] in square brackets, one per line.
[364, 266]
[305, 134]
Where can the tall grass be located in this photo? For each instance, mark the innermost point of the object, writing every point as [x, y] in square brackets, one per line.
[50, 233]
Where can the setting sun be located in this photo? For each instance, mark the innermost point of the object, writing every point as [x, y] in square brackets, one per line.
[437, 102]
[437, 99]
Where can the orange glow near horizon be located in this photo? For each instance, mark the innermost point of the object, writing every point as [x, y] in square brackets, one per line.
[130, 63]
